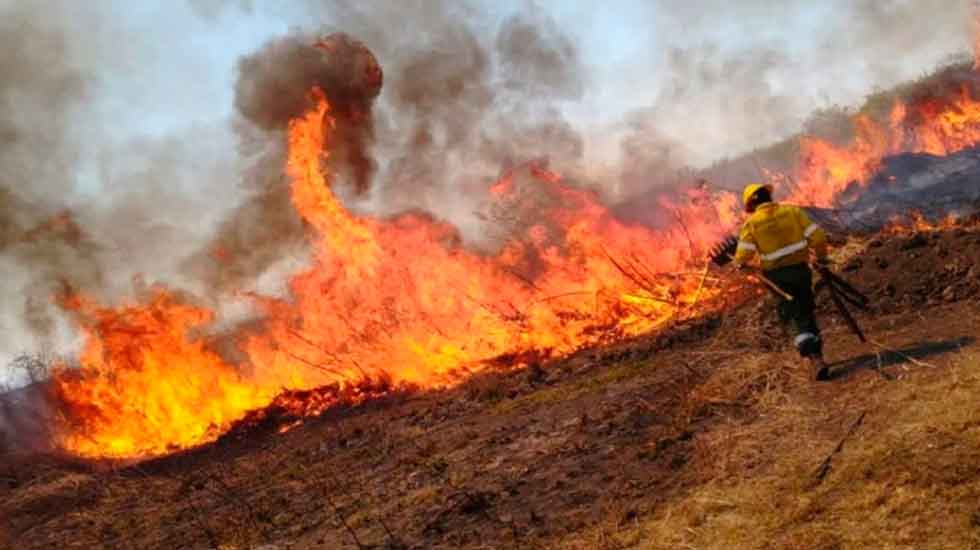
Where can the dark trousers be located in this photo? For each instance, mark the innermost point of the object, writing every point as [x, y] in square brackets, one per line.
[797, 281]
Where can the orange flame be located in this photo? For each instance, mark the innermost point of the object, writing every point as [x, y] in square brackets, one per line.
[145, 387]
[397, 299]
[402, 297]
[935, 125]
[401, 301]
[915, 222]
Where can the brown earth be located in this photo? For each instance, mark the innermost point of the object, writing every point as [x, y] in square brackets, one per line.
[711, 436]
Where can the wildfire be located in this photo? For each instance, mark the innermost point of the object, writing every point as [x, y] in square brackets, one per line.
[387, 303]
[146, 386]
[403, 298]
[398, 300]
[915, 222]
[933, 125]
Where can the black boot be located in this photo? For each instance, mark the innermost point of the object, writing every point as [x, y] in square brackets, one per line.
[821, 371]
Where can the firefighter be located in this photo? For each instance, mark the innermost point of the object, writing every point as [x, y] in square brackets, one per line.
[784, 237]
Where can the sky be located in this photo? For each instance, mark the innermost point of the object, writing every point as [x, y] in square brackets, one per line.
[124, 112]
[172, 65]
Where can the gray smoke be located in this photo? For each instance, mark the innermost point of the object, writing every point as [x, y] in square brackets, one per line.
[39, 93]
[459, 104]
[739, 87]
[468, 95]
[211, 10]
[473, 106]
[721, 99]
[89, 196]
[274, 86]
[98, 182]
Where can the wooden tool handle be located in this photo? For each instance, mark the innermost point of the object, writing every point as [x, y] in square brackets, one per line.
[775, 288]
[765, 280]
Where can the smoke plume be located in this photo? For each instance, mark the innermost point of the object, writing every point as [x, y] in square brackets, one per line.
[742, 83]
[88, 195]
[38, 243]
[457, 106]
[164, 157]
[275, 83]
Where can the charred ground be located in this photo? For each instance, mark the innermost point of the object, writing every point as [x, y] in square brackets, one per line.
[708, 435]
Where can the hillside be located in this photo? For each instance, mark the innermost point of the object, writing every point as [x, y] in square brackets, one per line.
[709, 435]
[837, 125]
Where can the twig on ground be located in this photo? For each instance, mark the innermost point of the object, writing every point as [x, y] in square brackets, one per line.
[198, 514]
[714, 352]
[824, 468]
[697, 293]
[237, 499]
[905, 356]
[643, 403]
[197, 517]
[691, 370]
[343, 520]
[394, 542]
[879, 368]
[687, 233]
[637, 280]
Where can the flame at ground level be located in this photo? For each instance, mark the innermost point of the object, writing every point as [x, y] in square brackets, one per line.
[144, 386]
[939, 124]
[400, 300]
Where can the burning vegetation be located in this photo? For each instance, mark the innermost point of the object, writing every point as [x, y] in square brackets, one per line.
[399, 302]
[942, 121]
[397, 299]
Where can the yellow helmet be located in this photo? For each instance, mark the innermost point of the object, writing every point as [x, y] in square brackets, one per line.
[750, 190]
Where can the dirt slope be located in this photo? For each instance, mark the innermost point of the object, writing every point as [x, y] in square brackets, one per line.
[709, 437]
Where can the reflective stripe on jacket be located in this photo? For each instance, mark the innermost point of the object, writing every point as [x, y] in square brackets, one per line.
[781, 235]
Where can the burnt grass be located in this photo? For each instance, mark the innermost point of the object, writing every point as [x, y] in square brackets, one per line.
[571, 453]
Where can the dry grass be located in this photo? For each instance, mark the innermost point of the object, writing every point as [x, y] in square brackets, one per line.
[906, 478]
[613, 374]
[713, 445]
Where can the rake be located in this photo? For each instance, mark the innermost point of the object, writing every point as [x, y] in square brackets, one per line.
[723, 254]
[841, 291]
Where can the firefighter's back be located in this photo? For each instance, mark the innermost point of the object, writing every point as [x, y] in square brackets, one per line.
[778, 230]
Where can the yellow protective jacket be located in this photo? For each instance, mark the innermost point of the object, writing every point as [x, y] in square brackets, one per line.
[781, 234]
